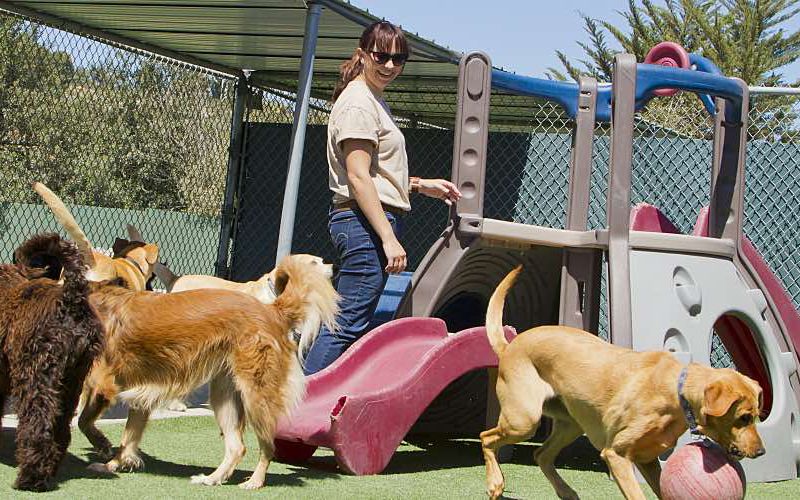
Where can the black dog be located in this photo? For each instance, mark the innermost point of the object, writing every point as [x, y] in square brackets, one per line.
[49, 337]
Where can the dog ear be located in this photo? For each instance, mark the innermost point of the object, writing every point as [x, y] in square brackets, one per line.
[281, 280]
[134, 233]
[151, 253]
[119, 246]
[760, 400]
[718, 398]
[40, 264]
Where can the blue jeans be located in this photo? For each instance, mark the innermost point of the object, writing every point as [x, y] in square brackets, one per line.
[360, 281]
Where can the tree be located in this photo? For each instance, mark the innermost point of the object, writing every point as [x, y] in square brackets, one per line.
[744, 38]
[108, 127]
[29, 73]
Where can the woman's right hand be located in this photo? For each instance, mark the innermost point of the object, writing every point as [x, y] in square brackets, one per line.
[395, 256]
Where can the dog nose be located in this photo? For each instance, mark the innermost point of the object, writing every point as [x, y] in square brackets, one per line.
[760, 452]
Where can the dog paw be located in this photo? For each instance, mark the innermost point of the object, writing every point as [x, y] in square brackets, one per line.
[100, 468]
[205, 480]
[250, 484]
[567, 493]
[130, 463]
[495, 491]
[176, 405]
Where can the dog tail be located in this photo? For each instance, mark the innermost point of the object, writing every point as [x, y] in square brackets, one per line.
[64, 217]
[165, 275]
[494, 313]
[307, 299]
[134, 234]
[59, 256]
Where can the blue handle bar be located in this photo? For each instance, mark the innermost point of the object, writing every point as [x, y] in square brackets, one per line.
[563, 93]
[703, 64]
[650, 77]
[707, 81]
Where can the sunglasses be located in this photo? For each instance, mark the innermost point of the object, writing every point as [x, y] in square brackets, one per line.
[383, 58]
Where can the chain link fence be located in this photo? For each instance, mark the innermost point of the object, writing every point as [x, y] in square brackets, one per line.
[772, 221]
[130, 137]
[121, 136]
[263, 180]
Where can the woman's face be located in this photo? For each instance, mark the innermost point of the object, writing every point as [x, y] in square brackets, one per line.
[377, 75]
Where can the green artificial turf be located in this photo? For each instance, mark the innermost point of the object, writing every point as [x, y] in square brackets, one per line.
[175, 449]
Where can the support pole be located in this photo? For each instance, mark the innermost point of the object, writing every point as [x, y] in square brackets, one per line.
[289, 208]
[235, 153]
[618, 202]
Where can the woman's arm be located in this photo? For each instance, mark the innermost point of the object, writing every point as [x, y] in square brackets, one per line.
[358, 158]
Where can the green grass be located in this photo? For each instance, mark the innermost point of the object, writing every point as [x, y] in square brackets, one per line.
[175, 449]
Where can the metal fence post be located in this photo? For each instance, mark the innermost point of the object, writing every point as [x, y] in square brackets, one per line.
[235, 154]
[289, 208]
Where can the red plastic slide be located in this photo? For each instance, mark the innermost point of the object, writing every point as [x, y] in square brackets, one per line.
[363, 404]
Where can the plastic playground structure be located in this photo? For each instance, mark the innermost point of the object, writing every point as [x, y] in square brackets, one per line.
[666, 290]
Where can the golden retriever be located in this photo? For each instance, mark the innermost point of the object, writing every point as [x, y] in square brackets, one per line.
[626, 402]
[262, 289]
[162, 346]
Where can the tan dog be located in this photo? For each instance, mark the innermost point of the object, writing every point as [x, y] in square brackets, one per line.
[626, 402]
[132, 261]
[262, 289]
[162, 346]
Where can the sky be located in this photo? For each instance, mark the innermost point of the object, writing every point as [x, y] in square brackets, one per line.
[518, 35]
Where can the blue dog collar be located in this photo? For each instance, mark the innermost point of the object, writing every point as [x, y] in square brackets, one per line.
[688, 414]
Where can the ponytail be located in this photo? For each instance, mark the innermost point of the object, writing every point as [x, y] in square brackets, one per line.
[348, 71]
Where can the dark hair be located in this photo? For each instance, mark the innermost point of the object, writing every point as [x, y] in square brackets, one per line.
[380, 35]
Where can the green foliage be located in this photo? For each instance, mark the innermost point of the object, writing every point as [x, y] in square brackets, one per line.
[114, 129]
[744, 38]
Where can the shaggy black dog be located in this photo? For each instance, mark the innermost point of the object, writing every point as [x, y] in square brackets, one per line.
[49, 337]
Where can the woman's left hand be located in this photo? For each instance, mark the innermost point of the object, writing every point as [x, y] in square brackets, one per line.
[441, 189]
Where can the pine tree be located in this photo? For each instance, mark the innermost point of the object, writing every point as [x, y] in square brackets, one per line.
[744, 38]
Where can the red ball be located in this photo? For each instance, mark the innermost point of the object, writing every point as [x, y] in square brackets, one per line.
[695, 471]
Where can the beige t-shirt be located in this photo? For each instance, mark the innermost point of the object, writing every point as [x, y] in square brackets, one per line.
[359, 114]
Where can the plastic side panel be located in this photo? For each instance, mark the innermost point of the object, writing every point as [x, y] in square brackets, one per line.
[678, 299]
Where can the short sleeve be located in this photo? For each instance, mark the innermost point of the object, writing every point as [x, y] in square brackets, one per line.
[355, 122]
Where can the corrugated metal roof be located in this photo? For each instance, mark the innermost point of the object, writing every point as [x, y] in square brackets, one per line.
[266, 37]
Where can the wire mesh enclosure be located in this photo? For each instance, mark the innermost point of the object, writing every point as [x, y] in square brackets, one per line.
[122, 137]
[129, 137]
[772, 221]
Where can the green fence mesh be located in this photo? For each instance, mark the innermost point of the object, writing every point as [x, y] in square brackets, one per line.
[130, 137]
[141, 139]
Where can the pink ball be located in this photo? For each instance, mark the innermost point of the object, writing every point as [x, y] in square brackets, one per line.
[696, 472]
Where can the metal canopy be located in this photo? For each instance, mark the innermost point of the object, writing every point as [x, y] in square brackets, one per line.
[265, 38]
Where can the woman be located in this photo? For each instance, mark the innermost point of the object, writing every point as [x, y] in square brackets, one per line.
[368, 175]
